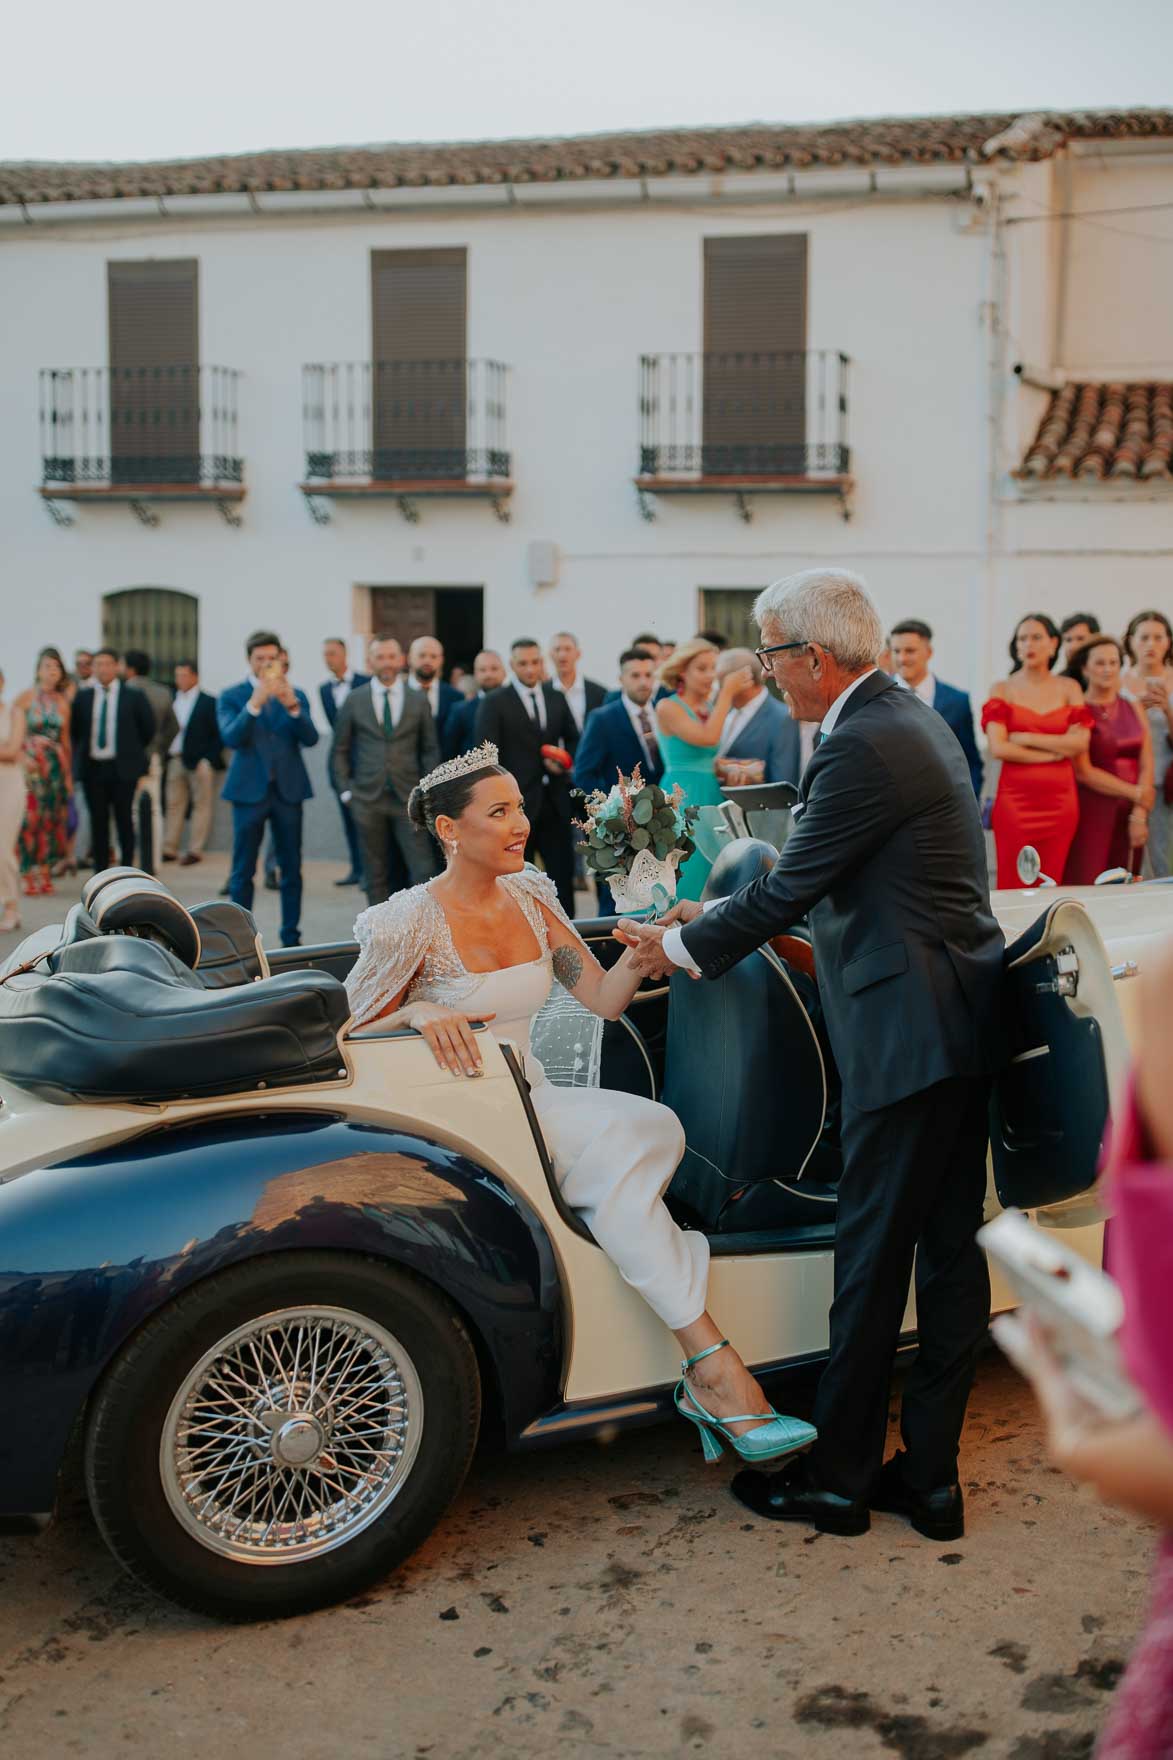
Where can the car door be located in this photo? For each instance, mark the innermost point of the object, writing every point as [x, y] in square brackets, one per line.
[1068, 1055]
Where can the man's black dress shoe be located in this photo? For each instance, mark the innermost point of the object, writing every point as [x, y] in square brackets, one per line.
[938, 1514]
[349, 880]
[272, 880]
[791, 1496]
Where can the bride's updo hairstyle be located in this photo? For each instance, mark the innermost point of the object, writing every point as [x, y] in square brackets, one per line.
[447, 790]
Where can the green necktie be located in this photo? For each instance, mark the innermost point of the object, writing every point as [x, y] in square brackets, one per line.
[102, 720]
[388, 724]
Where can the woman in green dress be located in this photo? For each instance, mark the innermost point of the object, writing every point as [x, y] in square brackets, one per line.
[690, 723]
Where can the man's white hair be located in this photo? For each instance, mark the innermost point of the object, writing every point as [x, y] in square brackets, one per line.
[830, 606]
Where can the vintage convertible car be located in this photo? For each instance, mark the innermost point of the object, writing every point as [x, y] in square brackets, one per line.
[264, 1282]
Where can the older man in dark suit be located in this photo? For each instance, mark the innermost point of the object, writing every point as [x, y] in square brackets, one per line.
[521, 718]
[384, 741]
[888, 858]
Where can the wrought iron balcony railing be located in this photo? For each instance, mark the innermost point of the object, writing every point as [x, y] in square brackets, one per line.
[405, 422]
[140, 427]
[744, 417]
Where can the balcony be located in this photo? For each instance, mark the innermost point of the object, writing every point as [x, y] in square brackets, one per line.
[405, 431]
[743, 425]
[139, 436]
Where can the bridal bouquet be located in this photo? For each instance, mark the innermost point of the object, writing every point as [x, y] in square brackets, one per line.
[636, 838]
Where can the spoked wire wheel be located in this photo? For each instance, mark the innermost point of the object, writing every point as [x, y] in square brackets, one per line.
[292, 1434]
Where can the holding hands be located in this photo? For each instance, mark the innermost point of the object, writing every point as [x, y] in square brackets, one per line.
[646, 940]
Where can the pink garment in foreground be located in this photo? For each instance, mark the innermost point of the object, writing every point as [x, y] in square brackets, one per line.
[1140, 1191]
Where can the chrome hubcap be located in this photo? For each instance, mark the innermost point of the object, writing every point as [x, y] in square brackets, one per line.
[291, 1435]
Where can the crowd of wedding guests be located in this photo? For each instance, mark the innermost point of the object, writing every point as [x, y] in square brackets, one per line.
[1080, 732]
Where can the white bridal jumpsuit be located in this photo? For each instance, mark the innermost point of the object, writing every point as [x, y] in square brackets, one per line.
[613, 1153]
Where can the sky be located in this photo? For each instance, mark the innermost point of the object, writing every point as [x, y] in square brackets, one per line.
[135, 79]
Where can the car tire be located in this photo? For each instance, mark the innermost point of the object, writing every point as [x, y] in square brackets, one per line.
[203, 1432]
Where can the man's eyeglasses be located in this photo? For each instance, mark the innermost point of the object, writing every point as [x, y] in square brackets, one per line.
[764, 655]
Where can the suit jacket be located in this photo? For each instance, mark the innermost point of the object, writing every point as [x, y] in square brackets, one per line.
[460, 727]
[365, 761]
[134, 731]
[954, 708]
[201, 736]
[266, 748]
[450, 699]
[502, 717]
[326, 694]
[166, 726]
[889, 860]
[609, 744]
[773, 736]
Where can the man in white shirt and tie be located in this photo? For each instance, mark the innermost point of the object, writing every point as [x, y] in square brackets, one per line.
[425, 665]
[333, 692]
[582, 694]
[384, 741]
[519, 719]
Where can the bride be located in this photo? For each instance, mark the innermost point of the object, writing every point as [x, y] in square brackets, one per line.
[483, 943]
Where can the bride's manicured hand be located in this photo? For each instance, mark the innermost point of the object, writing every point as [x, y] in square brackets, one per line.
[449, 1036]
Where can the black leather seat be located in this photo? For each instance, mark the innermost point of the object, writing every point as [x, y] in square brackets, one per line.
[123, 1019]
[230, 945]
[747, 1076]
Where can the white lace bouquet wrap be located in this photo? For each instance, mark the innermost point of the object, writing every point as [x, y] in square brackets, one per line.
[648, 885]
[637, 835]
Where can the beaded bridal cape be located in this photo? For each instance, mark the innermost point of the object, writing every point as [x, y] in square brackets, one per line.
[405, 945]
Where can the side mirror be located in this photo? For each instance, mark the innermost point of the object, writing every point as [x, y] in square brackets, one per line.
[1030, 868]
[1113, 877]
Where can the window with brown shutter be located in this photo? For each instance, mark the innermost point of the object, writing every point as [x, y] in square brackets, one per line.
[419, 302]
[154, 371]
[754, 410]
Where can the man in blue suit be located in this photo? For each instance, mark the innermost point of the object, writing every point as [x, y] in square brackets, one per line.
[758, 725]
[659, 651]
[620, 735]
[488, 670]
[334, 691]
[265, 722]
[911, 646]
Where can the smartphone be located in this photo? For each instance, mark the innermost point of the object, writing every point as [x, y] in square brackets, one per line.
[1079, 1306]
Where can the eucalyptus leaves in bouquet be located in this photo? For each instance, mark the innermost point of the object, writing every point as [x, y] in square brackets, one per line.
[637, 836]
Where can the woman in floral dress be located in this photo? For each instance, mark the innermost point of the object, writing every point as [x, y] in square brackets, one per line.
[44, 836]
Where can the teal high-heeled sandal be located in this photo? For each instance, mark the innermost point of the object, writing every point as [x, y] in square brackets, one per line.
[772, 1438]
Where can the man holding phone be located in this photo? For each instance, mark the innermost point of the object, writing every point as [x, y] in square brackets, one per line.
[265, 722]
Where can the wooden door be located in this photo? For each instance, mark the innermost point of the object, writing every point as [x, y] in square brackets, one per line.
[161, 621]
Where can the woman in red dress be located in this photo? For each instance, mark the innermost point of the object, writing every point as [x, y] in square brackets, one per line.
[1035, 725]
[1115, 774]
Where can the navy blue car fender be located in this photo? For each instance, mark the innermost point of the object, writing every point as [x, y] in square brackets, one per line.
[90, 1248]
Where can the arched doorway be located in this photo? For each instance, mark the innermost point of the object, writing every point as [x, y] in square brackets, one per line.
[161, 621]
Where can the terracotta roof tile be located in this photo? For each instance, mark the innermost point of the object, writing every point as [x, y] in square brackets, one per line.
[688, 152]
[1104, 432]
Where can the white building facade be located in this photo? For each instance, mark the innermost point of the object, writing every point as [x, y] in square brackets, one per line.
[939, 257]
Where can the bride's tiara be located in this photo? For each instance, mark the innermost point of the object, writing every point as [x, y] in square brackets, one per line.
[480, 758]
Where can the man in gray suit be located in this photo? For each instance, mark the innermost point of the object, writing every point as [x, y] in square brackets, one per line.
[384, 741]
[758, 725]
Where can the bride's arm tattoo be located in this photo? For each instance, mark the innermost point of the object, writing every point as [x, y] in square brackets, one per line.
[567, 963]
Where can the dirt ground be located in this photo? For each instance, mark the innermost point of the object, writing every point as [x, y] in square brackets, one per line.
[616, 1601]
